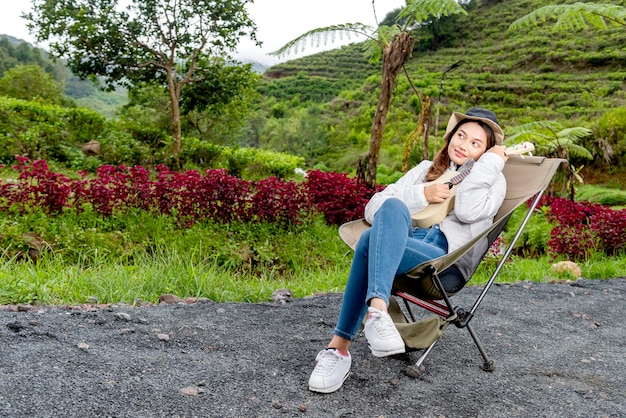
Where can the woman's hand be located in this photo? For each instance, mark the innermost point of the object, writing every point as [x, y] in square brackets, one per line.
[499, 150]
[436, 192]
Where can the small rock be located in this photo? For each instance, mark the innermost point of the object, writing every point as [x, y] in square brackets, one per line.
[23, 307]
[282, 296]
[277, 405]
[189, 391]
[123, 316]
[83, 346]
[163, 337]
[567, 267]
[15, 327]
[169, 299]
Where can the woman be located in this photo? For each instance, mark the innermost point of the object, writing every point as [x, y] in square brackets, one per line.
[393, 246]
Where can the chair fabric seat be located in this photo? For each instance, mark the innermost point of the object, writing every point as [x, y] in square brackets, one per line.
[422, 285]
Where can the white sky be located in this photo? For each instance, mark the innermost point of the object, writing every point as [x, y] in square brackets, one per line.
[278, 22]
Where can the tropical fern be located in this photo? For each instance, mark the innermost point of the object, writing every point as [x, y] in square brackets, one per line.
[549, 137]
[575, 16]
[374, 47]
[329, 33]
[418, 11]
[415, 12]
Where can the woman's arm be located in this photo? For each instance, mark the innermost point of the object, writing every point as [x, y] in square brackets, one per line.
[481, 194]
[409, 188]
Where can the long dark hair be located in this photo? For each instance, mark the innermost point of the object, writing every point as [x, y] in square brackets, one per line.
[441, 162]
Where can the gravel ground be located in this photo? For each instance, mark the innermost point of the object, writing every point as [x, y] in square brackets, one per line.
[559, 349]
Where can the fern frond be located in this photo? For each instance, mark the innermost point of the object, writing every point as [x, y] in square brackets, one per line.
[575, 133]
[535, 137]
[329, 33]
[387, 33]
[422, 10]
[537, 126]
[578, 151]
[574, 16]
[373, 48]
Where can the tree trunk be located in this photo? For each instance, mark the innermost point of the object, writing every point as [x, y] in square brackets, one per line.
[394, 56]
[420, 131]
[425, 121]
[174, 90]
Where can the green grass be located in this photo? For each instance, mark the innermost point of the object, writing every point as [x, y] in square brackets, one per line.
[145, 257]
[140, 257]
[540, 269]
[612, 196]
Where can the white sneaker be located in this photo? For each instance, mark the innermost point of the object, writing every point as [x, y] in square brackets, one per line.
[330, 371]
[382, 335]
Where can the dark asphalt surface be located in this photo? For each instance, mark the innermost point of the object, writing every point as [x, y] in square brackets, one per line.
[560, 351]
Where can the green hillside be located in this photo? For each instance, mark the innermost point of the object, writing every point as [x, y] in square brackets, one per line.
[574, 78]
[14, 51]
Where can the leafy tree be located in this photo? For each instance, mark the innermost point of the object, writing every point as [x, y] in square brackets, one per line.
[160, 40]
[216, 104]
[394, 45]
[31, 82]
[145, 115]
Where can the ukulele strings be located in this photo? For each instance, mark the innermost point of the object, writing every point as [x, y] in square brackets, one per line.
[458, 178]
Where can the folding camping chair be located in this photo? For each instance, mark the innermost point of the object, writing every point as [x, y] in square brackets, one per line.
[527, 178]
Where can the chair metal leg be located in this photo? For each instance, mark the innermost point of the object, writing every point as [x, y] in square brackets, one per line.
[414, 369]
[488, 364]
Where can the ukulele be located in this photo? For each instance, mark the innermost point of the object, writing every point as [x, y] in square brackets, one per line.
[436, 212]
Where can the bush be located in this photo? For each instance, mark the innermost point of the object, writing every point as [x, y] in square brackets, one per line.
[581, 228]
[337, 196]
[43, 131]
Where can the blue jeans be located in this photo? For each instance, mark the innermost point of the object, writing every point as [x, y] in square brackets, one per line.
[391, 246]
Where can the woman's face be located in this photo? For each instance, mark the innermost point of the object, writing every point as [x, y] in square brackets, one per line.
[469, 141]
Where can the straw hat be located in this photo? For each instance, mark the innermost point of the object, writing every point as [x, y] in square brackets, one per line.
[476, 113]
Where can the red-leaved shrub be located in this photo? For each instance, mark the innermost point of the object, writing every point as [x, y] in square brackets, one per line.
[38, 187]
[337, 196]
[580, 228]
[280, 201]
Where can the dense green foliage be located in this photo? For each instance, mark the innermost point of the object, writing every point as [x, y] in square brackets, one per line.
[46, 131]
[174, 44]
[142, 256]
[16, 53]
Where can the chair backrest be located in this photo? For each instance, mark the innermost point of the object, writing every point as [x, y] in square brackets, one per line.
[525, 177]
